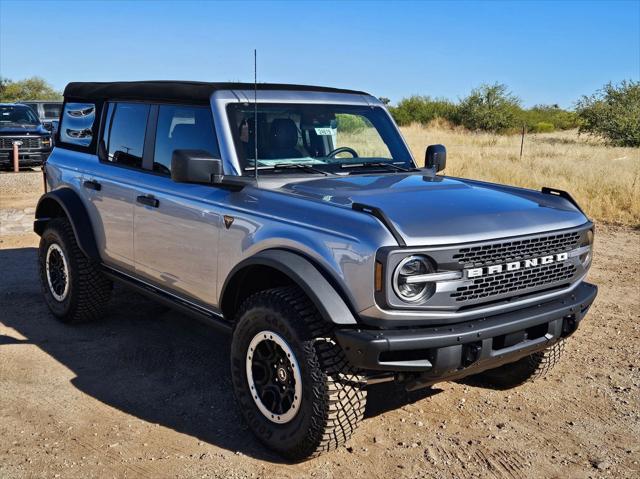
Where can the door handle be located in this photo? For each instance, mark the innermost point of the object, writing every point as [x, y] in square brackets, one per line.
[148, 200]
[92, 185]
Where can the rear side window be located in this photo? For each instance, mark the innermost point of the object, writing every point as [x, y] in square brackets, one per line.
[77, 123]
[124, 135]
[182, 127]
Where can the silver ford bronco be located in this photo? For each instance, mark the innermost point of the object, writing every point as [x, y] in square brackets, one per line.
[296, 219]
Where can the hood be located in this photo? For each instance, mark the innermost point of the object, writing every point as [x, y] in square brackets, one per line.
[20, 130]
[439, 210]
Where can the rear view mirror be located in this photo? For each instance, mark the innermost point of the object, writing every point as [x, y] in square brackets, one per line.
[195, 166]
[436, 157]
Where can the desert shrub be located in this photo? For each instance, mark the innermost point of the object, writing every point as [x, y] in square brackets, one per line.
[549, 114]
[612, 113]
[490, 108]
[543, 127]
[423, 110]
[351, 123]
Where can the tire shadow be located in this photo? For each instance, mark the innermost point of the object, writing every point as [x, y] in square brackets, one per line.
[141, 358]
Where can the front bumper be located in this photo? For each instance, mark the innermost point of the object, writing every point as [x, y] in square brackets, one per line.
[27, 157]
[456, 350]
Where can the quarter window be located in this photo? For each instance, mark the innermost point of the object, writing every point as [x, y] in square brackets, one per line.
[77, 123]
[182, 127]
[127, 123]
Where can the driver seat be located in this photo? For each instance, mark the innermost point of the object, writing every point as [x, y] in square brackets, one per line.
[283, 138]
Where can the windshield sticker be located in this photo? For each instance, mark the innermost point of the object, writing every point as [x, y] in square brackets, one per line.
[324, 131]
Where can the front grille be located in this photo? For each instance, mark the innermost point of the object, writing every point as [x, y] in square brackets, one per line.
[6, 143]
[513, 281]
[507, 251]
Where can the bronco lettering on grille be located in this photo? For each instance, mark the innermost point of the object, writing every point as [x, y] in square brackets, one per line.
[516, 265]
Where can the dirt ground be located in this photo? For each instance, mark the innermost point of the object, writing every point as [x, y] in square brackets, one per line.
[146, 392]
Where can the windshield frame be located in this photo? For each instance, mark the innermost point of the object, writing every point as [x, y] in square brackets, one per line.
[35, 122]
[385, 126]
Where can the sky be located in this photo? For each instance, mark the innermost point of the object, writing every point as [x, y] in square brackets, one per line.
[546, 51]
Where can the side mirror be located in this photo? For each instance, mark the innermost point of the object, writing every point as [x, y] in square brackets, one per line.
[198, 166]
[195, 166]
[436, 157]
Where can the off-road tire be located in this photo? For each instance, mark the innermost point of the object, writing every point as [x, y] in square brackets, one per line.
[333, 392]
[89, 290]
[529, 368]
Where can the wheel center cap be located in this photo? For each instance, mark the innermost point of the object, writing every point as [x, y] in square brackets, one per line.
[282, 375]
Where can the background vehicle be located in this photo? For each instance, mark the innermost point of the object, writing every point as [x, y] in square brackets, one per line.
[48, 112]
[19, 124]
[302, 225]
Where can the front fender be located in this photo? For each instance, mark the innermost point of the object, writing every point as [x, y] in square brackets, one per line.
[304, 274]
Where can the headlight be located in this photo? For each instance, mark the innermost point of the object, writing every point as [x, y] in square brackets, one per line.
[46, 141]
[406, 283]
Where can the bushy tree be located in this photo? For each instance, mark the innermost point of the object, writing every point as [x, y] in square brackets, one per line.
[422, 109]
[34, 88]
[490, 108]
[612, 113]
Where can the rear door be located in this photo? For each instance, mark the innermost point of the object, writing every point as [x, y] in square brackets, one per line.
[110, 188]
[177, 225]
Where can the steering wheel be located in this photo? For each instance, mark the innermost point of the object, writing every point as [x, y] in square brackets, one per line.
[342, 149]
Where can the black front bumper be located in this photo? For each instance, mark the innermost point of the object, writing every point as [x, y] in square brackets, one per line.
[27, 157]
[456, 350]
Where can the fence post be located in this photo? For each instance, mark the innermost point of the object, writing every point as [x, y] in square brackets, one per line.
[522, 142]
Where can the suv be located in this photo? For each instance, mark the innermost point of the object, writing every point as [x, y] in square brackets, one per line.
[296, 219]
[48, 111]
[19, 125]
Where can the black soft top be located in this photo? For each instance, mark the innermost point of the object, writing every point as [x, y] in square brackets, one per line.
[191, 91]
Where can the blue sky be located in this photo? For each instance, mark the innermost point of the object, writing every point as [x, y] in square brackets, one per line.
[546, 52]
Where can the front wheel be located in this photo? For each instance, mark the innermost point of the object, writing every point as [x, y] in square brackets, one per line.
[292, 382]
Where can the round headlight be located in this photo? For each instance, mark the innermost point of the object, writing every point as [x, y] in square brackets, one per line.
[408, 290]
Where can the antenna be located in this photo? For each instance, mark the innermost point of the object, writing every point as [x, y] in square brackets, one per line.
[255, 112]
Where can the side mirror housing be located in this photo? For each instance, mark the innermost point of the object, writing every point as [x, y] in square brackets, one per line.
[195, 166]
[436, 157]
[198, 166]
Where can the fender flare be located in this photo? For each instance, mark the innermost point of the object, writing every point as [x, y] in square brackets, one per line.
[70, 203]
[303, 273]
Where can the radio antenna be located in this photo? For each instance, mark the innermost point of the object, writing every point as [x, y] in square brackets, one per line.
[255, 112]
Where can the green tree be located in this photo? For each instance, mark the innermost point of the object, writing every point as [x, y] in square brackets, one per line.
[490, 108]
[422, 109]
[612, 113]
[34, 88]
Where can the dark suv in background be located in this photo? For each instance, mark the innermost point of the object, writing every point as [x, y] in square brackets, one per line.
[48, 111]
[20, 125]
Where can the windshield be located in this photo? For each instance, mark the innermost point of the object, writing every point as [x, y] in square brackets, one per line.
[322, 138]
[21, 115]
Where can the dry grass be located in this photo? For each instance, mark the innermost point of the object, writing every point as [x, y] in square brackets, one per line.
[604, 180]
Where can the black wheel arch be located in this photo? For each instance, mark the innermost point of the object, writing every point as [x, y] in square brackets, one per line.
[64, 202]
[279, 267]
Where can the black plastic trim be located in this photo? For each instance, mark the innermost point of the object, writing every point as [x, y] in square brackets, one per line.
[384, 219]
[77, 215]
[562, 194]
[364, 347]
[304, 274]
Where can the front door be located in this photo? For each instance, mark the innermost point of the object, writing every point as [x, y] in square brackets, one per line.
[176, 225]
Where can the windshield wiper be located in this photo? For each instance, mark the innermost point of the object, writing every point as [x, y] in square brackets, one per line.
[376, 164]
[289, 166]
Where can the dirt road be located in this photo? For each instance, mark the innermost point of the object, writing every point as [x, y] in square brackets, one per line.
[146, 392]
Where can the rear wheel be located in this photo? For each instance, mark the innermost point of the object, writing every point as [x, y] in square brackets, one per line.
[529, 368]
[293, 384]
[72, 285]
